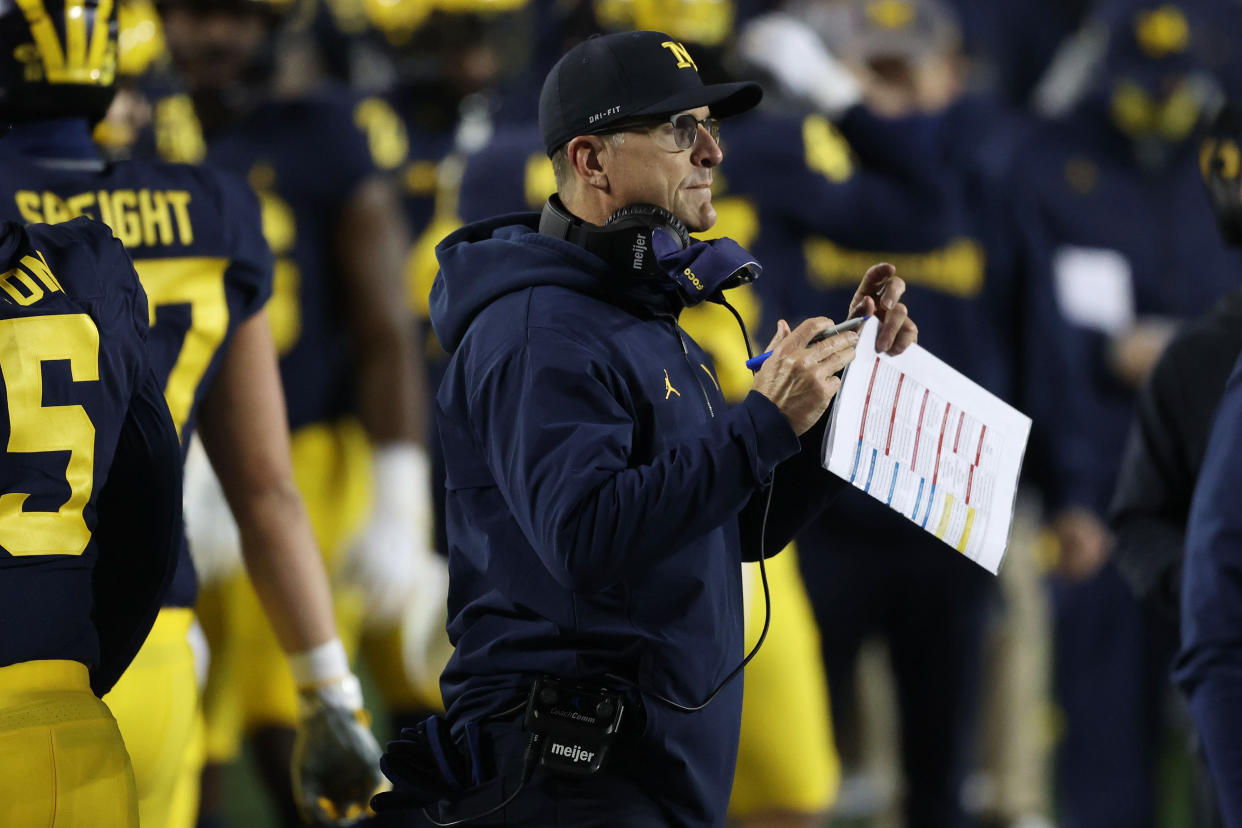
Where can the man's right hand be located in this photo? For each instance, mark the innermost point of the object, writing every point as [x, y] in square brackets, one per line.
[799, 380]
[335, 758]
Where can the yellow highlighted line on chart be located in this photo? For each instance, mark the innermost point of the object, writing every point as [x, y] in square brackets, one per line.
[944, 519]
[970, 520]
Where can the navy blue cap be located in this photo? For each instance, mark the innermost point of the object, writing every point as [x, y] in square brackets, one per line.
[614, 79]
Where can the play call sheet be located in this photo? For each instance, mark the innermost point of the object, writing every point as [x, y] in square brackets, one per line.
[932, 445]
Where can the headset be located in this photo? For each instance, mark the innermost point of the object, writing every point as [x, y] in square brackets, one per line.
[624, 241]
[648, 243]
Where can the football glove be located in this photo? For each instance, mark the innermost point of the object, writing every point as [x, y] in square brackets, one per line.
[335, 758]
[425, 647]
[392, 562]
[215, 545]
[798, 58]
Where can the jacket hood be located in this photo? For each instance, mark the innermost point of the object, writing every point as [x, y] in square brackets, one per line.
[483, 261]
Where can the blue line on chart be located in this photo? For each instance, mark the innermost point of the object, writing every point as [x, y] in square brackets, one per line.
[857, 452]
[930, 497]
[892, 486]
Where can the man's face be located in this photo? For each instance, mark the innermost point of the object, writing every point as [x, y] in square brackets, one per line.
[647, 168]
[901, 85]
[464, 48]
[213, 48]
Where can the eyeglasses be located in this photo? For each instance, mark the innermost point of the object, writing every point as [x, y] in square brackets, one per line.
[685, 128]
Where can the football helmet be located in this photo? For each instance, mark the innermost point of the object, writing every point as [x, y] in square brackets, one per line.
[57, 59]
[140, 38]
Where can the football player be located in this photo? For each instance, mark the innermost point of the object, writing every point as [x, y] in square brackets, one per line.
[89, 522]
[450, 58]
[319, 162]
[195, 238]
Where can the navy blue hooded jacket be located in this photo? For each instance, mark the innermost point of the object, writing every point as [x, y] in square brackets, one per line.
[1209, 668]
[601, 498]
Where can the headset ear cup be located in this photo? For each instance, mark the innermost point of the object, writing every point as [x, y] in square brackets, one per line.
[650, 216]
[625, 241]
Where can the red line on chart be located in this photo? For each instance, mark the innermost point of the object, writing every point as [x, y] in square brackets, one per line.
[970, 481]
[875, 369]
[918, 431]
[956, 440]
[892, 420]
[943, 425]
[979, 451]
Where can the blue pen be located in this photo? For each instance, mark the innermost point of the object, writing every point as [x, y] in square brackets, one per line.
[848, 325]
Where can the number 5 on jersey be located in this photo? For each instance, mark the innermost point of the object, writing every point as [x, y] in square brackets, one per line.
[26, 343]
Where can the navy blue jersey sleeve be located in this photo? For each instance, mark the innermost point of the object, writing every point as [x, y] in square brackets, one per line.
[104, 279]
[92, 274]
[1209, 667]
[98, 274]
[351, 135]
[559, 444]
[138, 534]
[907, 146]
[511, 174]
[805, 171]
[249, 274]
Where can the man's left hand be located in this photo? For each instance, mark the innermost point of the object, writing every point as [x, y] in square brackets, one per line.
[1084, 543]
[879, 295]
[1133, 353]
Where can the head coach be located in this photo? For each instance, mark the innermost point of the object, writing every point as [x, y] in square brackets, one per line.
[601, 494]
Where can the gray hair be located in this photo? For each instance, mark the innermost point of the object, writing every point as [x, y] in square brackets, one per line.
[563, 170]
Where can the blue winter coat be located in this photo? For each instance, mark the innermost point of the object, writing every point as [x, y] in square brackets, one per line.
[1209, 668]
[601, 498]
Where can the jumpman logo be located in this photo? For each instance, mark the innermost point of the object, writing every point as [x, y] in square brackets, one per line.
[668, 386]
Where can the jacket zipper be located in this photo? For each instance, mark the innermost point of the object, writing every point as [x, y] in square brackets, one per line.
[686, 353]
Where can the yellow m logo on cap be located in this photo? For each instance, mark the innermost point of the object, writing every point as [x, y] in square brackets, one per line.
[1162, 32]
[77, 61]
[891, 14]
[684, 61]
